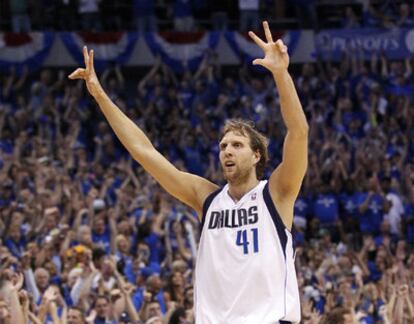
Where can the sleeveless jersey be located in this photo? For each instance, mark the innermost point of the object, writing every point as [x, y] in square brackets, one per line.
[245, 271]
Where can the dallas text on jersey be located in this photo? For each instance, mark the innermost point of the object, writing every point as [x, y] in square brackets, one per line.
[232, 218]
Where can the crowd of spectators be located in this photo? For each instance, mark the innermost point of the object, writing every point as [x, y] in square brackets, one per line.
[190, 15]
[86, 234]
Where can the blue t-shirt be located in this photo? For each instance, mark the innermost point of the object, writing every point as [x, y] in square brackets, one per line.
[146, 271]
[374, 273]
[325, 208]
[138, 299]
[6, 146]
[104, 240]
[154, 244]
[16, 248]
[301, 208]
[193, 160]
[371, 219]
[349, 205]
[408, 218]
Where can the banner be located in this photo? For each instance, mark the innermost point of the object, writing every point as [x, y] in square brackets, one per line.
[108, 47]
[181, 51]
[244, 47]
[24, 49]
[393, 43]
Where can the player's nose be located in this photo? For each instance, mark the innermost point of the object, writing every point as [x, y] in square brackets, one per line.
[228, 151]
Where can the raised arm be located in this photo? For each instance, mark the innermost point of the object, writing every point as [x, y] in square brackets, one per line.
[190, 189]
[285, 181]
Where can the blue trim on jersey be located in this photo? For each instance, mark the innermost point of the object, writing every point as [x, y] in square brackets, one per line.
[285, 322]
[293, 231]
[280, 227]
[206, 205]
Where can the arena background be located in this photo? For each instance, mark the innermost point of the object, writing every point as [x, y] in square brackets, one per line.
[87, 235]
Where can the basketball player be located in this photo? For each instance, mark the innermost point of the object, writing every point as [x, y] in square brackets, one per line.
[245, 270]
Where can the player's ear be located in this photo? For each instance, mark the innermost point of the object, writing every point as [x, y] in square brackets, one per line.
[257, 156]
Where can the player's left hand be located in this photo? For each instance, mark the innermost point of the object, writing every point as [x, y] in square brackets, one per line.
[276, 55]
[88, 73]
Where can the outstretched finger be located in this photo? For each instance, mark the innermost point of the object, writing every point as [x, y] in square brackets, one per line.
[268, 34]
[282, 47]
[91, 66]
[86, 56]
[77, 74]
[258, 62]
[257, 40]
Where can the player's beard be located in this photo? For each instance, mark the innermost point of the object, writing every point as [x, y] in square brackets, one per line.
[236, 177]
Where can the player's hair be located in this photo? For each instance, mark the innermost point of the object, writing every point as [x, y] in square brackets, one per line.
[258, 142]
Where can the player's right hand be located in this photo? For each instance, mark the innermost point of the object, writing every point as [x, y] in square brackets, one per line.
[276, 54]
[88, 73]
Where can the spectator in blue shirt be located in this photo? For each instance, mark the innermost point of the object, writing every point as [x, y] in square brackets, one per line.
[325, 206]
[15, 242]
[372, 205]
[100, 233]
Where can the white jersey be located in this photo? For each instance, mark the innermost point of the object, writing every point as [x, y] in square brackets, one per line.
[245, 271]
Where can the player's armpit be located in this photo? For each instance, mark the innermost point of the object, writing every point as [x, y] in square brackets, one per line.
[286, 180]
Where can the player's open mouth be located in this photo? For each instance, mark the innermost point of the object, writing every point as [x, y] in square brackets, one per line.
[229, 164]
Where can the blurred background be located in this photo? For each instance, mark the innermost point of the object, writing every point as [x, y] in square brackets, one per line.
[86, 234]
[197, 15]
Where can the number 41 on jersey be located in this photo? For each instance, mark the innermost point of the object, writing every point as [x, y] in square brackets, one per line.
[245, 237]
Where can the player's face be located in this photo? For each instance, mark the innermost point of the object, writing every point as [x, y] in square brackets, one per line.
[237, 158]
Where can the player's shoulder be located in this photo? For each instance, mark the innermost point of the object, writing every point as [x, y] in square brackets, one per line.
[211, 195]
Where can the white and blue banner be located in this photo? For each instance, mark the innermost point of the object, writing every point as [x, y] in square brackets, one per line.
[108, 47]
[182, 51]
[24, 49]
[393, 43]
[247, 50]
